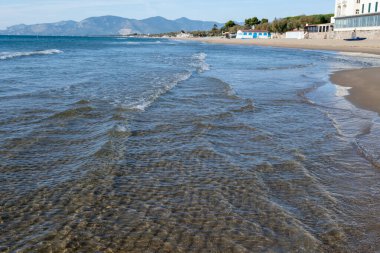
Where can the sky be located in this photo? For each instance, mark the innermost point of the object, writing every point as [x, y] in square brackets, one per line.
[45, 11]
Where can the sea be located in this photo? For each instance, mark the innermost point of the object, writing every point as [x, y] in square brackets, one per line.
[154, 145]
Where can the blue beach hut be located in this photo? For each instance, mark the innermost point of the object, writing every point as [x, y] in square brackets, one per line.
[253, 34]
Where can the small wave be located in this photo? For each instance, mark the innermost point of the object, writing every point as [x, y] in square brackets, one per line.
[358, 54]
[138, 43]
[10, 55]
[72, 113]
[130, 43]
[200, 62]
[227, 89]
[248, 107]
[299, 66]
[119, 131]
[83, 102]
[304, 93]
[200, 56]
[233, 127]
[146, 102]
[367, 154]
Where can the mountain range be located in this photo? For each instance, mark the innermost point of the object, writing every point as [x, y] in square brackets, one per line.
[110, 25]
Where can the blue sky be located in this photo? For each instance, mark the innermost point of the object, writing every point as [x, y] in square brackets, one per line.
[39, 11]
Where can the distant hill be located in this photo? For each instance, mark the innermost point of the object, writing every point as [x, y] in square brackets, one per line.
[110, 25]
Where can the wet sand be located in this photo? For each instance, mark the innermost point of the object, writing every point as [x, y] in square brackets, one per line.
[365, 84]
[366, 46]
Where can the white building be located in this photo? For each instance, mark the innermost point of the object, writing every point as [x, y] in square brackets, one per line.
[184, 35]
[295, 35]
[357, 14]
[253, 34]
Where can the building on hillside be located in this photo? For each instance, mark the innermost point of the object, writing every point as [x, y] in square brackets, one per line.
[253, 34]
[361, 15]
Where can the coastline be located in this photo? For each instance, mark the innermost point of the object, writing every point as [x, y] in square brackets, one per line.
[366, 46]
[364, 83]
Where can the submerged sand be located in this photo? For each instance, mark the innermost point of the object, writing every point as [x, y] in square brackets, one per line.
[365, 84]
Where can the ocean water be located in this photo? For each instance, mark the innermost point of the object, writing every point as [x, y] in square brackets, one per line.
[147, 145]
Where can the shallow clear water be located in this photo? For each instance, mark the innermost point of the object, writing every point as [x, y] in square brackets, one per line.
[144, 145]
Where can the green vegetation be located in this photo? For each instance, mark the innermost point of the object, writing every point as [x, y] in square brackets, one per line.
[251, 22]
[281, 25]
[230, 24]
[298, 22]
[278, 25]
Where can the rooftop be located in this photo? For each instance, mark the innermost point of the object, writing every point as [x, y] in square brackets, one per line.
[250, 31]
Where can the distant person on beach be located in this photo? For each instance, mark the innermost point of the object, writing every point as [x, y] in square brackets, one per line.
[353, 35]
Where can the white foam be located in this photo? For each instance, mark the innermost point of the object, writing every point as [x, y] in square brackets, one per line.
[200, 62]
[146, 102]
[10, 55]
[121, 129]
[358, 54]
[200, 56]
[342, 91]
[130, 43]
[137, 42]
[179, 41]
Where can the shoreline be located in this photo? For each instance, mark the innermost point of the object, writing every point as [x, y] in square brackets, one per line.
[365, 46]
[364, 83]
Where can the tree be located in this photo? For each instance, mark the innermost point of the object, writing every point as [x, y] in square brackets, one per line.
[263, 26]
[199, 34]
[235, 28]
[227, 26]
[279, 25]
[252, 22]
[214, 31]
[230, 24]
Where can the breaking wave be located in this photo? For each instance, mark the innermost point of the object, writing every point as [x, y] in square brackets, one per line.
[149, 100]
[200, 62]
[138, 42]
[200, 65]
[11, 55]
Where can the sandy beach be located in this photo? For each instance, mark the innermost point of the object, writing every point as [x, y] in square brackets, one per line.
[365, 83]
[366, 46]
